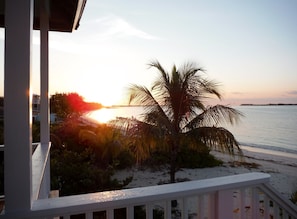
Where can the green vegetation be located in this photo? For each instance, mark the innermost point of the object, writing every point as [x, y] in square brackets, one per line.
[83, 156]
[78, 165]
[178, 126]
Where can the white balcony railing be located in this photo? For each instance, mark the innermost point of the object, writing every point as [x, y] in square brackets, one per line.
[238, 196]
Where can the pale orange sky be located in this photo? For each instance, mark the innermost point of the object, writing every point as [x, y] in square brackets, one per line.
[249, 47]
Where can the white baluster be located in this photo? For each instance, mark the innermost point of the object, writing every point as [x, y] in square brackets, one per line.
[184, 208]
[130, 212]
[167, 210]
[110, 214]
[89, 215]
[224, 204]
[149, 211]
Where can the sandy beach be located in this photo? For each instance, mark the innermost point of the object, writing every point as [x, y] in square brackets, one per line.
[281, 166]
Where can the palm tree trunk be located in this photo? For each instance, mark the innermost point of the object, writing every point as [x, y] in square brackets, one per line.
[172, 172]
[173, 160]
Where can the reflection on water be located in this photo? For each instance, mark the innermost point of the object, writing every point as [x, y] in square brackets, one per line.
[105, 115]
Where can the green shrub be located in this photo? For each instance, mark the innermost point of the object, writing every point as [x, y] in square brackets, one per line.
[125, 159]
[189, 158]
[77, 173]
[157, 160]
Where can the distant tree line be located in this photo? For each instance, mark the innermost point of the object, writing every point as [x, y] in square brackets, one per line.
[70, 104]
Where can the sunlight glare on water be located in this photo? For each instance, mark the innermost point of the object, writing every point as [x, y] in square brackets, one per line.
[103, 115]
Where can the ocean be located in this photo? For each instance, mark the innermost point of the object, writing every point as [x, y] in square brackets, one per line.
[264, 127]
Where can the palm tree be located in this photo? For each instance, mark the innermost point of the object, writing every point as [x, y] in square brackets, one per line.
[176, 114]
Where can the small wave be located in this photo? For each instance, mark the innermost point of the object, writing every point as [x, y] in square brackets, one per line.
[269, 147]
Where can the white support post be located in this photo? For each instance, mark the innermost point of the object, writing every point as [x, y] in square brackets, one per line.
[18, 107]
[44, 89]
[44, 84]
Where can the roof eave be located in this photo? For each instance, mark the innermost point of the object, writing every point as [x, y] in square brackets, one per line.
[64, 15]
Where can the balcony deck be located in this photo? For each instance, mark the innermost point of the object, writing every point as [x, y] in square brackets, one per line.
[239, 196]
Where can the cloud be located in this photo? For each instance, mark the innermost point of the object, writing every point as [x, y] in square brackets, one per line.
[237, 93]
[114, 26]
[92, 35]
[293, 92]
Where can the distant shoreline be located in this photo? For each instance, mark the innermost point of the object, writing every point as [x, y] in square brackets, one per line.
[269, 104]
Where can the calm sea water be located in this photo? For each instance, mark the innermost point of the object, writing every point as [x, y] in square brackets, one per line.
[267, 127]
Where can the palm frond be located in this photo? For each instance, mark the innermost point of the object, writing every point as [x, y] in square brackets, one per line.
[164, 78]
[189, 69]
[141, 95]
[143, 137]
[216, 115]
[210, 87]
[216, 138]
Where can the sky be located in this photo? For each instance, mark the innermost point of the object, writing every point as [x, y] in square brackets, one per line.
[249, 47]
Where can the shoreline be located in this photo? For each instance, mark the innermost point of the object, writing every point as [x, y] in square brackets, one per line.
[270, 155]
[261, 150]
[282, 167]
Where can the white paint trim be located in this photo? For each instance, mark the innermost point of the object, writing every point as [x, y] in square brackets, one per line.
[44, 74]
[18, 106]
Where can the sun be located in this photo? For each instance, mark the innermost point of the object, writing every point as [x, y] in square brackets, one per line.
[105, 92]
